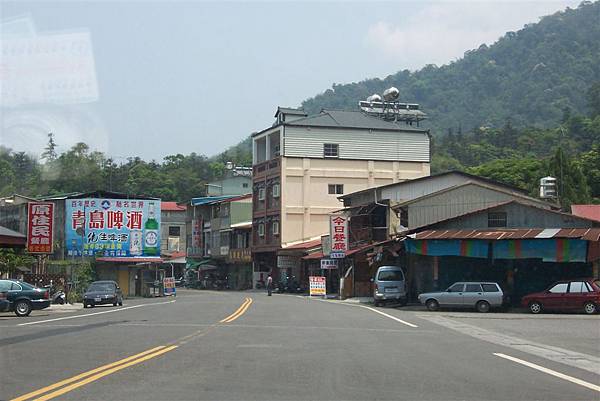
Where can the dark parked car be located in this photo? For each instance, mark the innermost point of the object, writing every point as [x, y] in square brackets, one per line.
[4, 304]
[101, 293]
[23, 298]
[569, 296]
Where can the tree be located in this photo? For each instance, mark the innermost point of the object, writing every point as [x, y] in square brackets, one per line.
[49, 153]
[593, 97]
[572, 183]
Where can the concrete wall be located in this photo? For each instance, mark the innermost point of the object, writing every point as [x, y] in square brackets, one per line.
[306, 203]
[172, 219]
[238, 185]
[241, 211]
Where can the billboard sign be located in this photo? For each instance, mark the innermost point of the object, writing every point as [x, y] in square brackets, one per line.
[338, 232]
[317, 285]
[40, 224]
[112, 227]
[169, 286]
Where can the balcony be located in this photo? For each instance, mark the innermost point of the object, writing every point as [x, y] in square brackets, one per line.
[267, 167]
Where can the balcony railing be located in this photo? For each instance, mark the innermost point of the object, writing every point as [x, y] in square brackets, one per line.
[266, 166]
[240, 255]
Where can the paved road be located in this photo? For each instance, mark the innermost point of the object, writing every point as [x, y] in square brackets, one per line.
[247, 346]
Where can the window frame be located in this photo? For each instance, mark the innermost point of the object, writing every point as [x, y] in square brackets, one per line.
[328, 150]
[276, 194]
[497, 219]
[556, 285]
[474, 284]
[174, 235]
[335, 189]
[261, 229]
[261, 194]
[273, 225]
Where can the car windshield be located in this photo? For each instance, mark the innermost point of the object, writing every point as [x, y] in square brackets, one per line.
[99, 287]
[390, 275]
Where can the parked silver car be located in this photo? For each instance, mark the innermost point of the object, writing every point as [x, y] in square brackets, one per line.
[479, 295]
[389, 285]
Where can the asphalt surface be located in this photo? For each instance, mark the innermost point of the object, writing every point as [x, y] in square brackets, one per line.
[205, 345]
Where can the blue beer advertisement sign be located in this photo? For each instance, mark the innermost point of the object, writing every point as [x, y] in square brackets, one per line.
[112, 227]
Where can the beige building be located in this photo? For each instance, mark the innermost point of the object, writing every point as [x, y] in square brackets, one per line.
[302, 164]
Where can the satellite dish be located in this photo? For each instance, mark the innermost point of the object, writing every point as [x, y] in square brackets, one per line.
[374, 98]
[391, 94]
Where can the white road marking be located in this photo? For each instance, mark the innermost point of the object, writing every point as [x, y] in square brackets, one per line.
[93, 314]
[550, 372]
[389, 316]
[561, 355]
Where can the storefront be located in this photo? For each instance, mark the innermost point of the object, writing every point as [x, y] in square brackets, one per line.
[136, 276]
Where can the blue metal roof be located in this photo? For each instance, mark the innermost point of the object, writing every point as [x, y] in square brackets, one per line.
[211, 199]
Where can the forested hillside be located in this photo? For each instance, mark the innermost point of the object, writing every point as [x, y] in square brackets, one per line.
[530, 77]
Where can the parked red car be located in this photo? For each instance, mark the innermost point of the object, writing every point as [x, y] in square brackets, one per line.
[569, 295]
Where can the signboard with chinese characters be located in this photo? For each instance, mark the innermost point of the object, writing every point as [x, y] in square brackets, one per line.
[197, 247]
[169, 286]
[112, 227]
[329, 264]
[317, 285]
[338, 232]
[40, 222]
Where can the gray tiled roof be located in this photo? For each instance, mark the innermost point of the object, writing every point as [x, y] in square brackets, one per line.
[10, 233]
[350, 119]
[289, 110]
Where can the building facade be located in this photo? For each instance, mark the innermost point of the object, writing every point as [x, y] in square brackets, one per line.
[172, 227]
[303, 163]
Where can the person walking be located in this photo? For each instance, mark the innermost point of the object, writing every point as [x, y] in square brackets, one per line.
[269, 285]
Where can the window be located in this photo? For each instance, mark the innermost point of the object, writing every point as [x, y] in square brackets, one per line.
[578, 286]
[330, 150]
[275, 228]
[559, 288]
[174, 231]
[497, 219]
[490, 288]
[17, 287]
[5, 285]
[261, 194]
[390, 275]
[245, 185]
[276, 190]
[335, 189]
[261, 230]
[473, 288]
[456, 288]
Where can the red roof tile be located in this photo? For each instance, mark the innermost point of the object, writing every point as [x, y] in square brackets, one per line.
[306, 245]
[171, 207]
[591, 212]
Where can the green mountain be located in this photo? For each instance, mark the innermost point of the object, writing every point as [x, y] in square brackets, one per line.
[530, 77]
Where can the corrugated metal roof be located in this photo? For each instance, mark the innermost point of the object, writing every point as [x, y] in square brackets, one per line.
[591, 212]
[7, 232]
[305, 245]
[589, 234]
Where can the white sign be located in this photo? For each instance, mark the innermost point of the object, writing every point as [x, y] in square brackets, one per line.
[329, 264]
[338, 232]
[317, 285]
[337, 255]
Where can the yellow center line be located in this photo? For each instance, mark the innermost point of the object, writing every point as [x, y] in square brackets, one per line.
[240, 312]
[85, 374]
[95, 374]
[247, 301]
[102, 374]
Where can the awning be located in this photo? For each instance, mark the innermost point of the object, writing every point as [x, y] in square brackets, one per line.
[23, 269]
[192, 264]
[131, 260]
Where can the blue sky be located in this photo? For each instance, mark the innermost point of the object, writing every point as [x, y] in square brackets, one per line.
[181, 77]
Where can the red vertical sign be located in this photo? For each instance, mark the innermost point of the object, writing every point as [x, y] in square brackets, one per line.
[338, 232]
[40, 224]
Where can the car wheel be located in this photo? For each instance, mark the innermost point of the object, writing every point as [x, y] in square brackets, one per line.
[432, 305]
[115, 303]
[121, 303]
[590, 308]
[482, 306]
[535, 307]
[22, 308]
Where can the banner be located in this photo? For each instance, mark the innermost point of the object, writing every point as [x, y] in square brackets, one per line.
[112, 227]
[40, 224]
[329, 264]
[317, 285]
